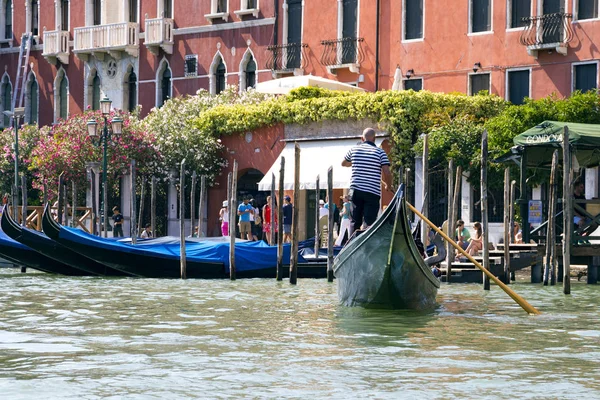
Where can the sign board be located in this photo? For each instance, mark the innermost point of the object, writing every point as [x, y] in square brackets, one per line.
[535, 212]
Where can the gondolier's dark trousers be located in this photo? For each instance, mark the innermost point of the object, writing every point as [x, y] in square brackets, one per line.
[365, 206]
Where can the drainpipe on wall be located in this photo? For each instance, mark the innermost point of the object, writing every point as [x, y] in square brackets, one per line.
[377, 47]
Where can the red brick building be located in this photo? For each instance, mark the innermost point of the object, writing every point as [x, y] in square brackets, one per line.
[144, 52]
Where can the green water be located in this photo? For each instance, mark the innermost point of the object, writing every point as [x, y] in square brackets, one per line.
[92, 338]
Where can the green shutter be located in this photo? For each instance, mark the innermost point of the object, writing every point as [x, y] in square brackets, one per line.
[63, 98]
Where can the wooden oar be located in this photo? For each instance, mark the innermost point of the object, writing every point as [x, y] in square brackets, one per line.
[520, 301]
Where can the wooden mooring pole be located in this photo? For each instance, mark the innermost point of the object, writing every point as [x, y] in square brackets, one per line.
[74, 204]
[279, 273]
[96, 221]
[232, 219]
[455, 205]
[507, 226]
[153, 206]
[24, 200]
[425, 208]
[449, 249]
[513, 196]
[61, 183]
[550, 262]
[133, 232]
[183, 263]
[65, 204]
[567, 212]
[140, 220]
[330, 225]
[317, 213]
[294, 249]
[484, 209]
[193, 206]
[201, 205]
[274, 206]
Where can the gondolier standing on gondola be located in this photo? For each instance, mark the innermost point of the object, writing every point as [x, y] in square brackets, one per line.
[368, 163]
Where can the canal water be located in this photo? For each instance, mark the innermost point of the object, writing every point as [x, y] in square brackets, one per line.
[99, 338]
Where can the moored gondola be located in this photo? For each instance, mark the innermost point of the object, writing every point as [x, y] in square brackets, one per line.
[54, 250]
[155, 259]
[383, 268]
[23, 255]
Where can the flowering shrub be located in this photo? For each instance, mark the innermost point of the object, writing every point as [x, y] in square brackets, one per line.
[177, 136]
[66, 147]
[28, 139]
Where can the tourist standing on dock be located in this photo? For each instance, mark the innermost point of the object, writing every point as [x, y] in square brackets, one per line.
[288, 208]
[267, 219]
[368, 163]
[346, 221]
[224, 218]
[244, 211]
[118, 222]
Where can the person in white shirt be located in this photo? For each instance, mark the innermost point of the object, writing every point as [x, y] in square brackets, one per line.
[323, 212]
[147, 232]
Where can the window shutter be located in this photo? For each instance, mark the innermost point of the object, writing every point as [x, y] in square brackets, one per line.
[413, 19]
[587, 9]
[480, 15]
[132, 92]
[96, 93]
[480, 82]
[519, 9]
[586, 77]
[414, 84]
[518, 86]
[33, 102]
[8, 24]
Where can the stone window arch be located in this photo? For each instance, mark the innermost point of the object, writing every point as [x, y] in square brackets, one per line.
[32, 98]
[164, 84]
[5, 99]
[218, 74]
[248, 71]
[61, 95]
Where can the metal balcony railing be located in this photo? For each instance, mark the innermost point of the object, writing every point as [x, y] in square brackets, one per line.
[159, 33]
[56, 46]
[547, 31]
[342, 51]
[287, 57]
[122, 36]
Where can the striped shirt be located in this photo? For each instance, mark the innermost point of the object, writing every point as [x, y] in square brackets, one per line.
[367, 161]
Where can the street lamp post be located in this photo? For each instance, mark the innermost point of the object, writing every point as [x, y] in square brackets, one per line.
[102, 140]
[16, 116]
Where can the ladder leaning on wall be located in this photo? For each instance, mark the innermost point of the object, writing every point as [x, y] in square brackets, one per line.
[22, 69]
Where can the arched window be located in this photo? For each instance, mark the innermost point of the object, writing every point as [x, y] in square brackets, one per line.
[31, 102]
[8, 20]
[63, 98]
[165, 86]
[220, 77]
[5, 98]
[131, 92]
[95, 92]
[250, 73]
[35, 17]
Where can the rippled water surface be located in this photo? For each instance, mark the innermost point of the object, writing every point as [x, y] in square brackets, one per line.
[92, 338]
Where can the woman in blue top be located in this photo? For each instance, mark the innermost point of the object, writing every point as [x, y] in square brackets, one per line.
[346, 225]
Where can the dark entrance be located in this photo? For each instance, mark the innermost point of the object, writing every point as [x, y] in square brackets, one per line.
[248, 185]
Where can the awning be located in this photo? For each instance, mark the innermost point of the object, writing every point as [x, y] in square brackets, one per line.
[284, 85]
[316, 156]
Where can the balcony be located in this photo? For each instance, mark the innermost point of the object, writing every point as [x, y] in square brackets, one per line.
[343, 53]
[159, 35]
[547, 32]
[287, 59]
[112, 39]
[56, 47]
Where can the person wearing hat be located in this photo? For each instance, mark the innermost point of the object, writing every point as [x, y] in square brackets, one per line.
[346, 221]
[323, 212]
[224, 218]
[287, 219]
[244, 211]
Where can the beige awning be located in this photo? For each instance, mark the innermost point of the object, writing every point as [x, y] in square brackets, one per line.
[284, 85]
[316, 156]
